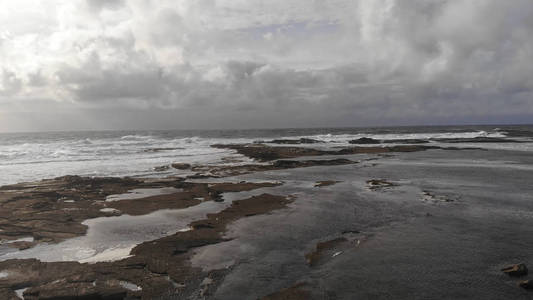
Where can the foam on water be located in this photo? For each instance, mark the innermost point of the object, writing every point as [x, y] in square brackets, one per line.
[35, 156]
[345, 138]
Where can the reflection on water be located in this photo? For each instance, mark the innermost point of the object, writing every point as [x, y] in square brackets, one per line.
[143, 193]
[112, 238]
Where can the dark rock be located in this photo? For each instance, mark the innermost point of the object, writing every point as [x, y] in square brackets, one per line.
[309, 141]
[289, 164]
[160, 149]
[406, 141]
[375, 184]
[264, 152]
[161, 168]
[516, 270]
[181, 166]
[526, 284]
[293, 142]
[365, 140]
[477, 140]
[295, 292]
[325, 183]
[315, 256]
[350, 231]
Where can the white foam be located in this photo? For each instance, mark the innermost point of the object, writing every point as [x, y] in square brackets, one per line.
[345, 138]
[129, 155]
[34, 157]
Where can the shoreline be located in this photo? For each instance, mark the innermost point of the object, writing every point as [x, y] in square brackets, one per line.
[53, 210]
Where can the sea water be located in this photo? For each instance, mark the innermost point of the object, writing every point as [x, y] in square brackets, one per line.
[33, 156]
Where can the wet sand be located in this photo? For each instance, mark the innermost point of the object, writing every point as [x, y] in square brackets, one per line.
[416, 223]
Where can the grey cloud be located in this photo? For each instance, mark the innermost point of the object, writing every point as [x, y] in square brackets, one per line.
[97, 5]
[11, 84]
[359, 63]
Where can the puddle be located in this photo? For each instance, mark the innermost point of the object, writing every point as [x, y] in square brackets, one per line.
[109, 210]
[130, 286]
[143, 193]
[112, 238]
[19, 292]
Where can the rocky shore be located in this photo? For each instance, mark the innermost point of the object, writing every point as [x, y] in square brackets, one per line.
[155, 269]
[54, 210]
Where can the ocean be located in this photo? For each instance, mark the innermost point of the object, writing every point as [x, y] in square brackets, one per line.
[440, 222]
[34, 156]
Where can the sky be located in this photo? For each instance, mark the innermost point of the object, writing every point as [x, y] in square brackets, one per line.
[216, 64]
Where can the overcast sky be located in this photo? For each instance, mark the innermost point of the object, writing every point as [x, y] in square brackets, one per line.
[199, 64]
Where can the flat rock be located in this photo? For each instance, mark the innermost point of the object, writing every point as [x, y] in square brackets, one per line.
[181, 166]
[365, 140]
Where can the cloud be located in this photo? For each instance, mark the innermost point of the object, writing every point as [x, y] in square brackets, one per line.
[281, 63]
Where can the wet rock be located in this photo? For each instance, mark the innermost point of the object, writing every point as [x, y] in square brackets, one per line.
[289, 141]
[161, 168]
[157, 269]
[376, 184]
[295, 292]
[477, 140]
[76, 290]
[264, 152]
[325, 183]
[315, 256]
[309, 141]
[160, 149]
[515, 270]
[365, 140]
[289, 164]
[38, 210]
[526, 284]
[181, 166]
[428, 196]
[405, 141]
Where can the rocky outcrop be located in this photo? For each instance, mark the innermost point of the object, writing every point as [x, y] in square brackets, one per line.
[325, 183]
[288, 164]
[321, 248]
[526, 284]
[53, 210]
[365, 140]
[266, 153]
[369, 141]
[377, 184]
[516, 270]
[477, 140]
[159, 268]
[293, 142]
[181, 166]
